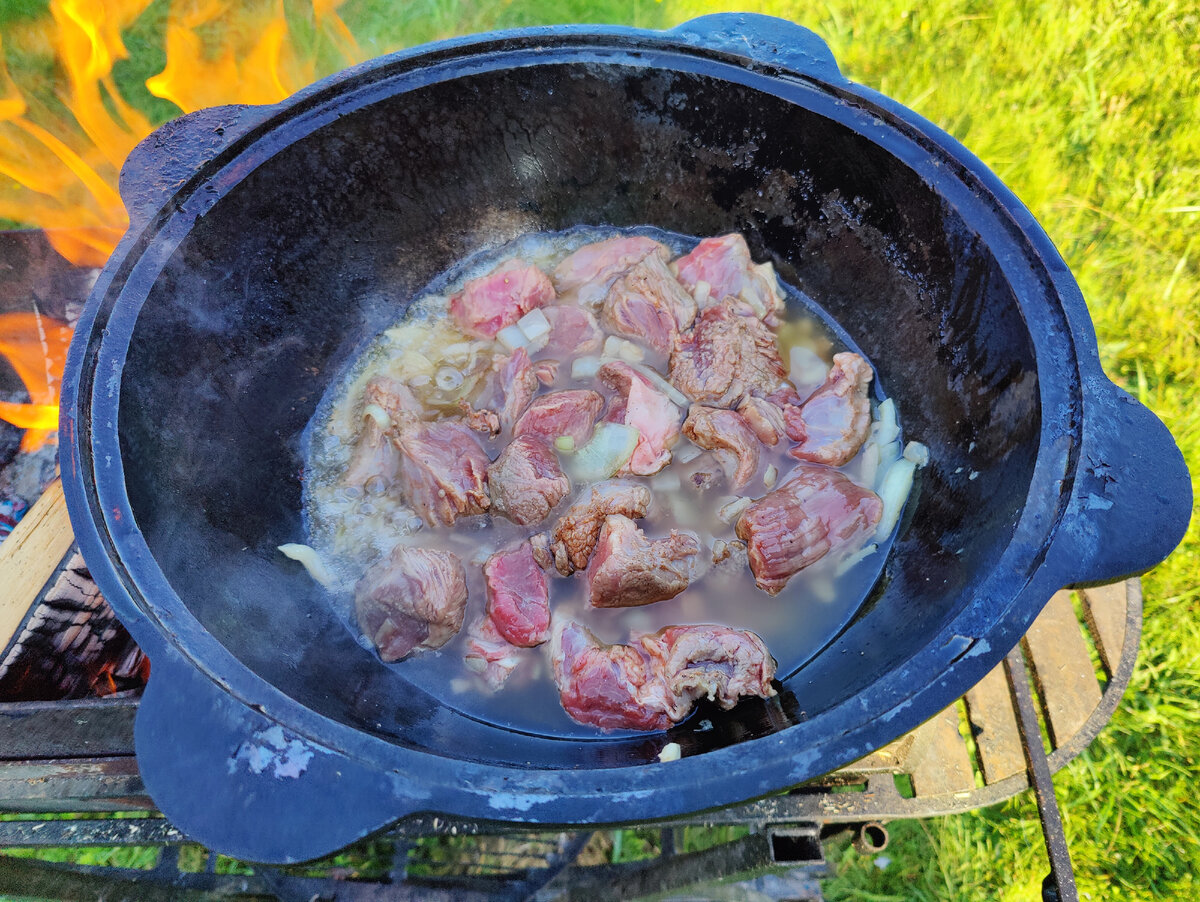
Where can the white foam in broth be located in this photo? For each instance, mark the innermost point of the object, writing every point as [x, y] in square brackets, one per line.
[351, 527]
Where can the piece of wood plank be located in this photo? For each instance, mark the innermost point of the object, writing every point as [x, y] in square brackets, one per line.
[938, 761]
[1106, 609]
[1063, 671]
[994, 726]
[29, 557]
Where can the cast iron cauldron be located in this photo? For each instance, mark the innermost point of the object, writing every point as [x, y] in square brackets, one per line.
[266, 243]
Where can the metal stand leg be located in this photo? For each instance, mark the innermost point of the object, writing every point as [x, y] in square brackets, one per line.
[1062, 889]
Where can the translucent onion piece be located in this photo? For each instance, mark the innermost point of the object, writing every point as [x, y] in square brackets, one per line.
[610, 448]
[917, 453]
[512, 338]
[893, 491]
[308, 557]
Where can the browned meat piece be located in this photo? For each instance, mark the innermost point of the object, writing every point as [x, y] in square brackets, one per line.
[411, 600]
[720, 268]
[540, 546]
[560, 413]
[837, 416]
[728, 354]
[708, 661]
[573, 331]
[489, 654]
[546, 371]
[608, 686]
[443, 470]
[575, 535]
[585, 275]
[514, 382]
[729, 437]
[649, 306]
[526, 481]
[518, 600]
[654, 681]
[815, 511]
[764, 418]
[641, 405]
[488, 304]
[485, 421]
[375, 457]
[627, 569]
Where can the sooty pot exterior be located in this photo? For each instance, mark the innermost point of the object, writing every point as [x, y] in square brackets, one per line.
[267, 243]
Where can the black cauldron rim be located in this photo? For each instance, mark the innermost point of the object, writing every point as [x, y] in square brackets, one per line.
[201, 696]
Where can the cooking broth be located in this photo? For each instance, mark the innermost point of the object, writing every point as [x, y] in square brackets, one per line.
[350, 527]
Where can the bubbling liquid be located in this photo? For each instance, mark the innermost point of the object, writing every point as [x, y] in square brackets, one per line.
[350, 527]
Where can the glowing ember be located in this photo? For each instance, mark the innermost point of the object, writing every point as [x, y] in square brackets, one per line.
[36, 348]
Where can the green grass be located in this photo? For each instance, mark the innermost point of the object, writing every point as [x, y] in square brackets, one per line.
[1091, 114]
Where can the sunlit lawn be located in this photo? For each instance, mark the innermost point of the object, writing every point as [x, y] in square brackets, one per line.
[1091, 114]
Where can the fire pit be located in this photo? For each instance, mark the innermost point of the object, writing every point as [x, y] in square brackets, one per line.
[266, 244]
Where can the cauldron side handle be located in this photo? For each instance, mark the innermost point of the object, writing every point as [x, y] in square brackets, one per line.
[1132, 496]
[169, 157]
[230, 777]
[766, 40]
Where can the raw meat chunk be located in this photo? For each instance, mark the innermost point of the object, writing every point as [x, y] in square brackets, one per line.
[413, 599]
[526, 481]
[443, 470]
[485, 421]
[518, 600]
[573, 331]
[586, 275]
[709, 661]
[648, 305]
[837, 416]
[723, 265]
[489, 654]
[729, 437]
[576, 534]
[641, 405]
[654, 681]
[627, 569]
[728, 354]
[608, 686]
[764, 418]
[488, 304]
[560, 413]
[514, 383]
[816, 510]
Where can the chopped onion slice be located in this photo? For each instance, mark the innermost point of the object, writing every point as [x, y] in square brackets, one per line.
[917, 453]
[565, 443]
[448, 378]
[534, 324]
[770, 476]
[870, 464]
[622, 349]
[610, 448]
[730, 511]
[584, 369]
[308, 557]
[701, 293]
[893, 491]
[512, 338]
[379, 415]
[670, 752]
[678, 398]
[885, 428]
[685, 452]
[853, 559]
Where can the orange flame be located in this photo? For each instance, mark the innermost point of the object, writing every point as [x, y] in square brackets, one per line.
[36, 348]
[59, 171]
